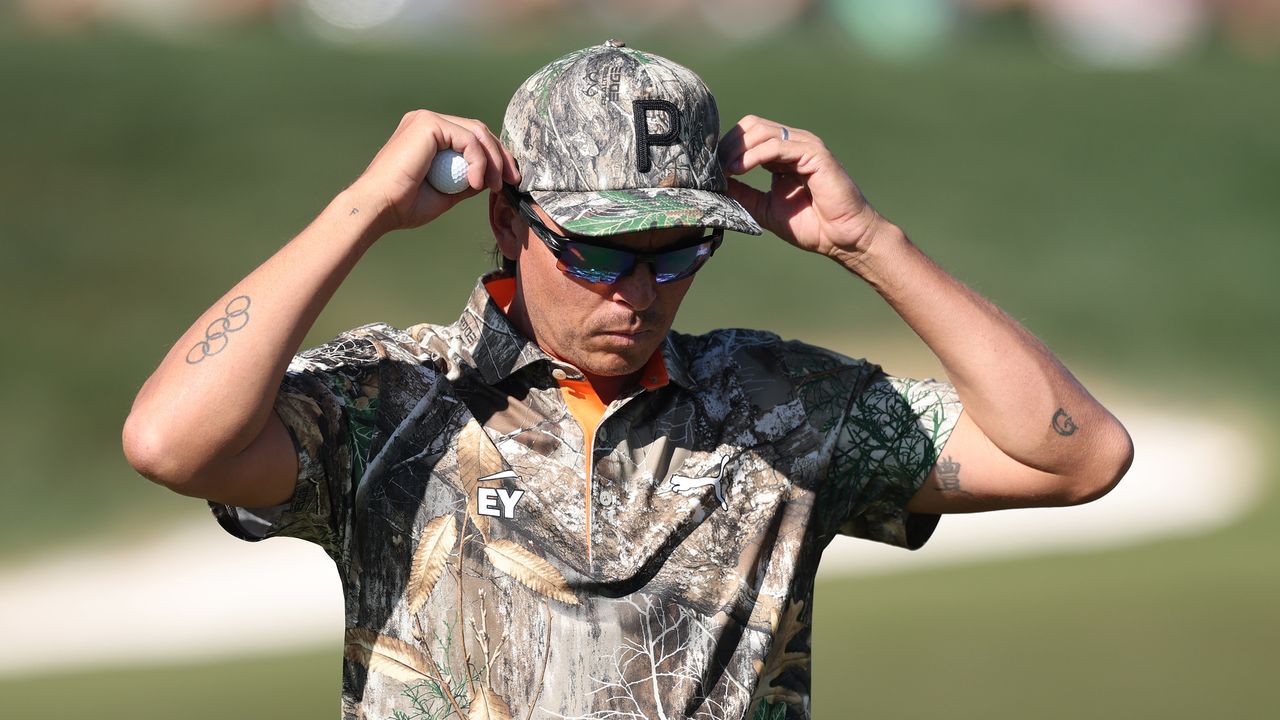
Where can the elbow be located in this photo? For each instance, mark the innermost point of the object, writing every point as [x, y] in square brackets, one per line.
[1109, 465]
[151, 454]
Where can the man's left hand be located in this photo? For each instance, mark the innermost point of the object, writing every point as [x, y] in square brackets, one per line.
[812, 202]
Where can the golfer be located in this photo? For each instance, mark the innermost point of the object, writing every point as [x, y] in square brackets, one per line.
[556, 506]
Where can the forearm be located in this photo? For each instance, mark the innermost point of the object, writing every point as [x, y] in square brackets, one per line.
[1036, 434]
[213, 392]
[1013, 388]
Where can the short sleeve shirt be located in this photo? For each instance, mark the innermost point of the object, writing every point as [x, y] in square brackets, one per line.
[484, 568]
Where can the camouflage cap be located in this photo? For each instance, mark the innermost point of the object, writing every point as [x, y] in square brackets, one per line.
[613, 140]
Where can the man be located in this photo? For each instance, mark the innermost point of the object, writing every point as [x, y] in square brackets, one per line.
[556, 505]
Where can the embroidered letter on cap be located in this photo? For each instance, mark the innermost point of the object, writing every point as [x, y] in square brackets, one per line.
[644, 140]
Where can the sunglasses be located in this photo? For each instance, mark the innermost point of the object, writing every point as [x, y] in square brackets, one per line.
[605, 265]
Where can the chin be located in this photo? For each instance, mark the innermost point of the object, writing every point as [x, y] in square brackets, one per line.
[610, 359]
[608, 355]
[612, 364]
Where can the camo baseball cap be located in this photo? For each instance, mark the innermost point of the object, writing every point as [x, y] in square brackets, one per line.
[612, 140]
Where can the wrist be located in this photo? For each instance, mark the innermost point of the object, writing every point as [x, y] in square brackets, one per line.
[880, 248]
[367, 214]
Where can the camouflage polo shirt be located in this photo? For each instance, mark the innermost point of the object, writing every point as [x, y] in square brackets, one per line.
[488, 575]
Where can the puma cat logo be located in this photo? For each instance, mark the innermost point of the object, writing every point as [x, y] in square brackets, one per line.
[689, 486]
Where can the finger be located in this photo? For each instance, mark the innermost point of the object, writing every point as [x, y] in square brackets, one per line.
[752, 131]
[404, 120]
[735, 142]
[393, 145]
[427, 133]
[432, 203]
[494, 161]
[754, 201]
[763, 207]
[502, 159]
[778, 156]
[765, 131]
[812, 166]
[497, 163]
[506, 163]
[463, 140]
[510, 170]
[415, 143]
[731, 146]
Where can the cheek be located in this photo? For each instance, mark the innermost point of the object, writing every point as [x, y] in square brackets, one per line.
[554, 301]
[671, 295]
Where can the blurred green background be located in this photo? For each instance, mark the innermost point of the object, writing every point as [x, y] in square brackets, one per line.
[1127, 217]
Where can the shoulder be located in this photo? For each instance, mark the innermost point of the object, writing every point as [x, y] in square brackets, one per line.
[366, 347]
[770, 371]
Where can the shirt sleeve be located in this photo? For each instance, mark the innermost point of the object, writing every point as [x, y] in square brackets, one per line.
[328, 401]
[891, 436]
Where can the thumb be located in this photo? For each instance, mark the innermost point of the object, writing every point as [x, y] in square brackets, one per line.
[755, 202]
[430, 203]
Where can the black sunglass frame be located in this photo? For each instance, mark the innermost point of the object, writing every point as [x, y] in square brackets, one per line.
[558, 243]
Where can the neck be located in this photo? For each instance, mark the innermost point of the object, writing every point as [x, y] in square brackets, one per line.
[606, 387]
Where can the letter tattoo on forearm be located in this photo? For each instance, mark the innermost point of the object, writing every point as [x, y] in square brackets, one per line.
[949, 476]
[1062, 423]
[215, 336]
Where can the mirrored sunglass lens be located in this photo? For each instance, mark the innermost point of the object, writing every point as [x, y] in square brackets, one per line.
[679, 264]
[595, 264]
[591, 275]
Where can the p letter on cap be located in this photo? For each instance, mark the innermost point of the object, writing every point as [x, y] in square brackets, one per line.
[646, 140]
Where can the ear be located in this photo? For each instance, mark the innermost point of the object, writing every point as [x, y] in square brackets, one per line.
[508, 229]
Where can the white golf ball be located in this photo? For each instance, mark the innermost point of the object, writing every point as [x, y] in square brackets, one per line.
[448, 172]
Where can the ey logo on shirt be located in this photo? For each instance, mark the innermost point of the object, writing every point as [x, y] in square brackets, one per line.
[498, 502]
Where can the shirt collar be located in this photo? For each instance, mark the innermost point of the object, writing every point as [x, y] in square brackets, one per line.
[677, 365]
[484, 339]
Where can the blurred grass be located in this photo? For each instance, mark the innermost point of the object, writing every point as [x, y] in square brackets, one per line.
[270, 686]
[1126, 218]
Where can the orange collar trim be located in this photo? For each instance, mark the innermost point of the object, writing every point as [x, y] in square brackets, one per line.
[503, 292]
[654, 373]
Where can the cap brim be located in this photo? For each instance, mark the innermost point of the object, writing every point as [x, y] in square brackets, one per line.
[612, 212]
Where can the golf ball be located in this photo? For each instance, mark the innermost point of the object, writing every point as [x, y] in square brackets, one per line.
[448, 172]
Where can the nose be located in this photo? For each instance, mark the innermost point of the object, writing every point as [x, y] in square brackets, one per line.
[638, 288]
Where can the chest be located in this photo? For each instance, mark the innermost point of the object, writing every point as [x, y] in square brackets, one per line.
[673, 493]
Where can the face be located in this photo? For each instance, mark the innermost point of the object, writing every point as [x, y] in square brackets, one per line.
[604, 330]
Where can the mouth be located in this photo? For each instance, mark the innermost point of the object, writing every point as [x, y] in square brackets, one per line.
[633, 326]
[624, 334]
[624, 337]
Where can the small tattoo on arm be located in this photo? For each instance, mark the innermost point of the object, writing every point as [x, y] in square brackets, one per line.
[354, 211]
[1062, 423]
[949, 476]
[215, 336]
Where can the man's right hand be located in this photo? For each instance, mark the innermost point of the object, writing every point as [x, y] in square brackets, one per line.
[396, 177]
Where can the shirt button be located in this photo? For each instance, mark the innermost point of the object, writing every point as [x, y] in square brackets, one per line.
[559, 374]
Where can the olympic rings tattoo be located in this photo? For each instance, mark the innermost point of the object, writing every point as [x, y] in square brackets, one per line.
[215, 336]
